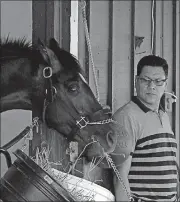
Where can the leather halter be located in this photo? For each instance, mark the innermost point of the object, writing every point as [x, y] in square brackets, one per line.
[47, 74]
[50, 90]
[80, 120]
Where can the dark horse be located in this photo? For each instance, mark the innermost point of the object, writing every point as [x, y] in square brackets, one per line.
[49, 81]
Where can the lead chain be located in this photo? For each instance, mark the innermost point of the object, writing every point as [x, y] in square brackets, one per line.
[29, 135]
[102, 122]
[109, 159]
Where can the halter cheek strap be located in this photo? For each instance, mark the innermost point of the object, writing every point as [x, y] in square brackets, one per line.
[47, 74]
[50, 90]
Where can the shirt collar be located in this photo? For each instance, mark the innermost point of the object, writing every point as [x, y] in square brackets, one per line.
[142, 106]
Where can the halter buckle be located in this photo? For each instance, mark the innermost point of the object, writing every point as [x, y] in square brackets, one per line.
[47, 72]
[82, 122]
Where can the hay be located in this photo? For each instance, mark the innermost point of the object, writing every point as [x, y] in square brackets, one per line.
[42, 159]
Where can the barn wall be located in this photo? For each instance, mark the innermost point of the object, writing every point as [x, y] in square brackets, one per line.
[16, 21]
[121, 33]
[121, 59]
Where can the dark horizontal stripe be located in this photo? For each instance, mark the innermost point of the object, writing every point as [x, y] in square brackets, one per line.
[157, 145]
[164, 172]
[155, 136]
[154, 154]
[153, 181]
[156, 197]
[166, 190]
[159, 163]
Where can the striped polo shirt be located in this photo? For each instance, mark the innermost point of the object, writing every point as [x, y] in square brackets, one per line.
[153, 172]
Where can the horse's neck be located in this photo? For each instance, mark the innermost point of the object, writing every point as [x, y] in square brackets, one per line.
[16, 100]
[15, 82]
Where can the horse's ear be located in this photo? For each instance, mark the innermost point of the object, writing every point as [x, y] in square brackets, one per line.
[53, 44]
[43, 50]
[40, 43]
[49, 55]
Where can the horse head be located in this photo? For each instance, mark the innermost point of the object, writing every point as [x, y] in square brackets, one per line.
[74, 111]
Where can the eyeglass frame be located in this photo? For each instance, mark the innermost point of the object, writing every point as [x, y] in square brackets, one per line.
[149, 80]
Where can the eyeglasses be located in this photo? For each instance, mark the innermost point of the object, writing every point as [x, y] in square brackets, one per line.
[157, 82]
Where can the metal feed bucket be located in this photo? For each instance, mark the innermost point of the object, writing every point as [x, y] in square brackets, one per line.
[26, 181]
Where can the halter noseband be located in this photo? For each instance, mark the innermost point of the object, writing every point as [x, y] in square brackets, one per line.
[81, 120]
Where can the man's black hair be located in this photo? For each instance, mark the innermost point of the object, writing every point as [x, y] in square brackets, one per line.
[152, 60]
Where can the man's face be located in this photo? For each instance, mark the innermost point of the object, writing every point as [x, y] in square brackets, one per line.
[148, 91]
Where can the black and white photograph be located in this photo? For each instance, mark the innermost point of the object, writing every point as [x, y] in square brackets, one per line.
[89, 103]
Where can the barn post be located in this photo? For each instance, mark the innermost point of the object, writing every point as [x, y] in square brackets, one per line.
[50, 19]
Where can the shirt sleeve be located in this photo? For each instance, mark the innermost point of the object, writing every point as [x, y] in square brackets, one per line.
[128, 124]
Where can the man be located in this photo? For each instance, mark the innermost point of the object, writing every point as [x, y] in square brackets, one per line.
[150, 173]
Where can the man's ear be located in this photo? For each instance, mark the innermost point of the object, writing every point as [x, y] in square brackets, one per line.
[166, 83]
[135, 80]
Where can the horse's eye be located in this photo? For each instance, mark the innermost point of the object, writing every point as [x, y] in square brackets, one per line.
[73, 88]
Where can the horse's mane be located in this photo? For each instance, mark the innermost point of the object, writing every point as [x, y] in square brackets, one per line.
[15, 47]
[19, 48]
[23, 48]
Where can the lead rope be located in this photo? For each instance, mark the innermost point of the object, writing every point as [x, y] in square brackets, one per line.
[83, 8]
[153, 26]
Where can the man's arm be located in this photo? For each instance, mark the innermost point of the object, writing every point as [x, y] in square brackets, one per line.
[121, 186]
